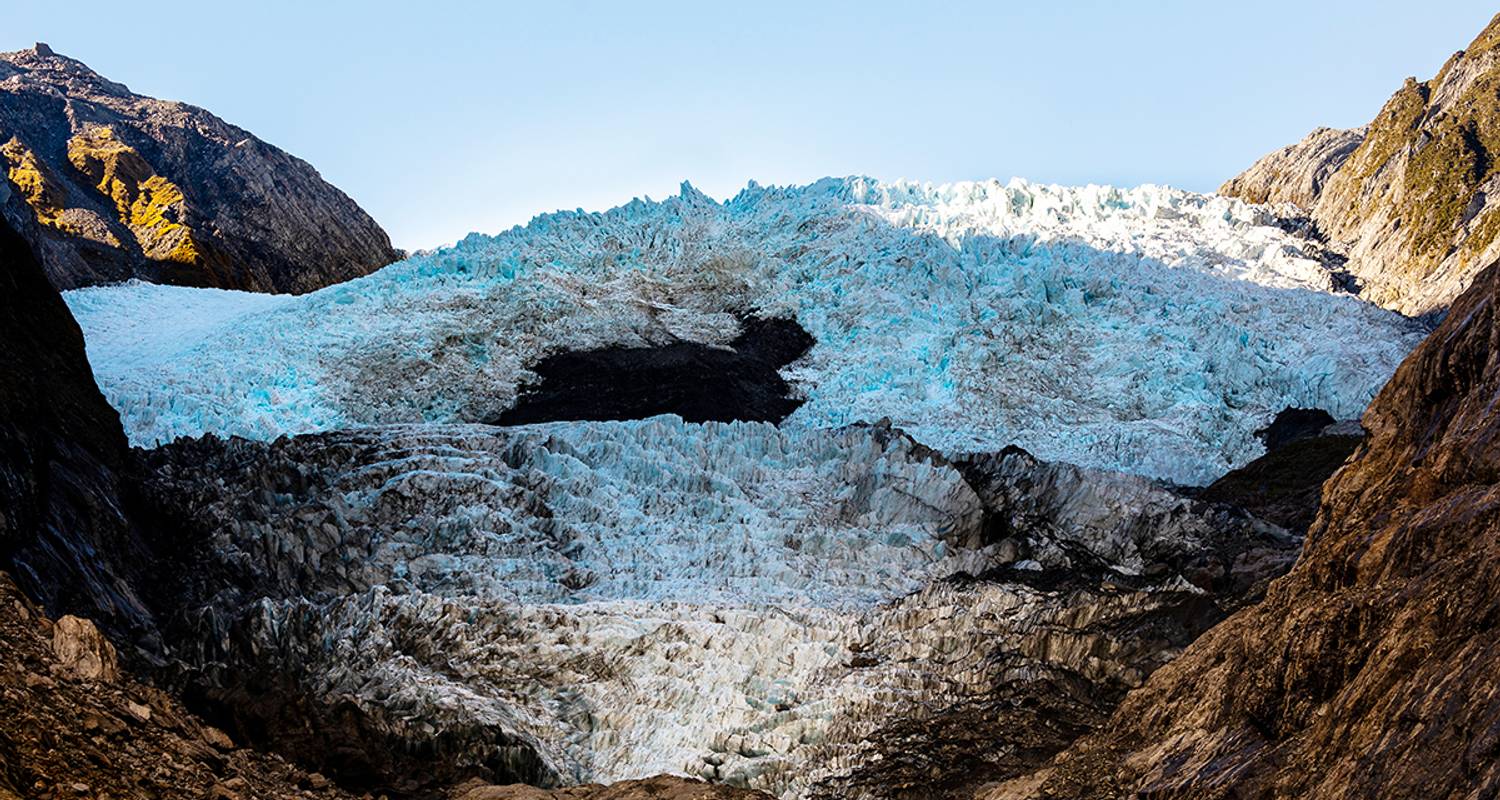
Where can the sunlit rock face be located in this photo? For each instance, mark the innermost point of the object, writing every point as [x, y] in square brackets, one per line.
[112, 185]
[1409, 201]
[1145, 330]
[815, 613]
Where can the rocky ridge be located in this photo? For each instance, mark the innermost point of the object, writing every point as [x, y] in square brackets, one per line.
[112, 185]
[1411, 199]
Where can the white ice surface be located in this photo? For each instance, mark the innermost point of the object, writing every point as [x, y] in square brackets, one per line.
[1148, 330]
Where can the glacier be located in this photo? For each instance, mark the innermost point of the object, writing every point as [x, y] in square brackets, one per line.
[768, 607]
[1148, 330]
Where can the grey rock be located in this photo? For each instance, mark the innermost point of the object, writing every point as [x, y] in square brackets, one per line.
[1296, 173]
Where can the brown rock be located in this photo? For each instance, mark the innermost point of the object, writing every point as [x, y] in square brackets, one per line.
[142, 713]
[83, 651]
[217, 738]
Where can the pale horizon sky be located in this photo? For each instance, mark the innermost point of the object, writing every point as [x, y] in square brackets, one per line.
[444, 118]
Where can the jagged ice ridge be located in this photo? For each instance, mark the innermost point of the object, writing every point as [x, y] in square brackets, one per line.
[1148, 330]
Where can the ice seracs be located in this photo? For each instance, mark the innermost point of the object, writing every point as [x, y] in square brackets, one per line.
[794, 609]
[1148, 330]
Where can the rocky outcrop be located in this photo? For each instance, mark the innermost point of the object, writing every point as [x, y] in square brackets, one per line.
[1296, 173]
[66, 732]
[1075, 519]
[697, 382]
[72, 721]
[113, 185]
[1416, 206]
[1371, 670]
[65, 533]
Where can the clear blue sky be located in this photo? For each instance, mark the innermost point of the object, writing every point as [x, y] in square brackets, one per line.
[442, 118]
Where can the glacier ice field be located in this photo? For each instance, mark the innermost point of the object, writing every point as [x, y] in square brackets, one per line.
[1147, 330]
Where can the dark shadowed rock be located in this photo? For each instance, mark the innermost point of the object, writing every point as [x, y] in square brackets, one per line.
[64, 530]
[1284, 485]
[697, 382]
[1292, 424]
[119, 185]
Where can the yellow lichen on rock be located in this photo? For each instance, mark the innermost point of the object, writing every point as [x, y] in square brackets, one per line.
[149, 204]
[30, 179]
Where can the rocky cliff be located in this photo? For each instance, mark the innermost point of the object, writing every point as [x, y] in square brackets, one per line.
[73, 723]
[115, 185]
[64, 531]
[1411, 199]
[1370, 670]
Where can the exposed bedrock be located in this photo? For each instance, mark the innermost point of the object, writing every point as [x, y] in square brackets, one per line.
[811, 613]
[1410, 199]
[698, 382]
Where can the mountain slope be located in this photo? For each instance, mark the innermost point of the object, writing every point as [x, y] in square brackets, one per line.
[1371, 670]
[1416, 205]
[1147, 329]
[120, 186]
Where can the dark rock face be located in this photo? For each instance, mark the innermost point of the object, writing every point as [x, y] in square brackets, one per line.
[113, 185]
[696, 382]
[1284, 486]
[1073, 518]
[64, 529]
[1373, 668]
[1292, 424]
[1304, 448]
[70, 535]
